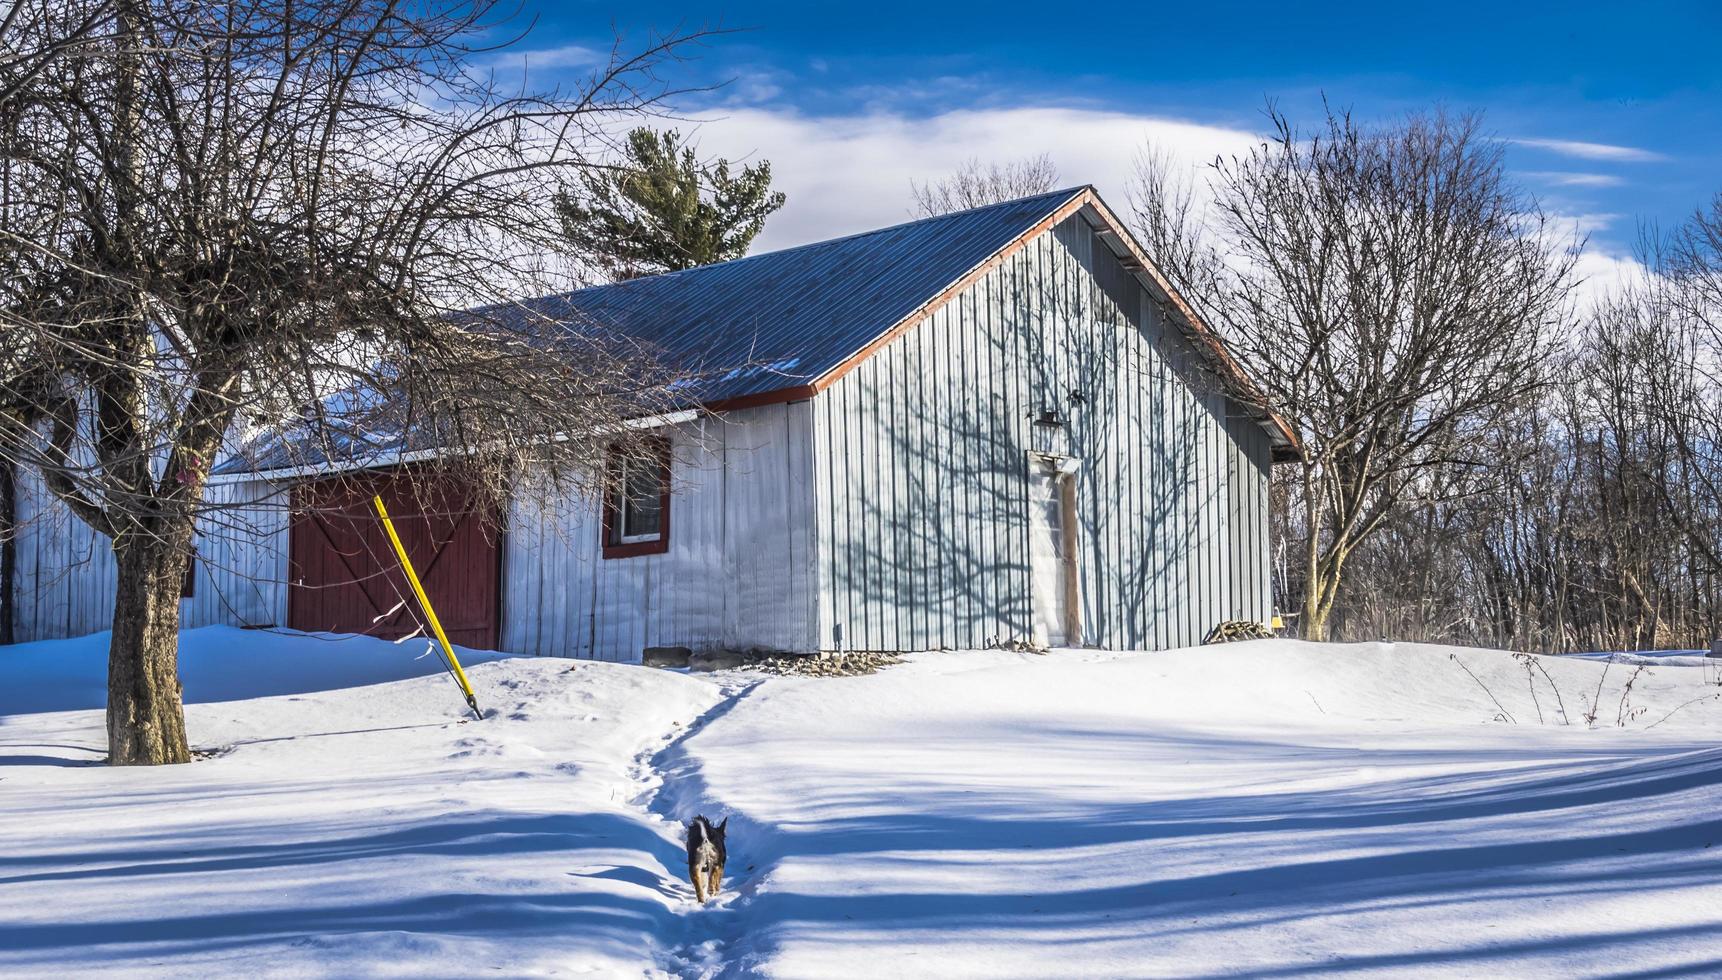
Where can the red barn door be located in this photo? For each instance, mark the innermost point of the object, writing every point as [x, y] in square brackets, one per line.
[344, 575]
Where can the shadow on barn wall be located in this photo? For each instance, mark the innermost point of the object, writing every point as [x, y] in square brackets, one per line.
[925, 449]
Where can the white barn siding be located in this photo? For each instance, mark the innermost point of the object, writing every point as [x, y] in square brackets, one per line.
[242, 557]
[923, 463]
[65, 583]
[66, 577]
[737, 573]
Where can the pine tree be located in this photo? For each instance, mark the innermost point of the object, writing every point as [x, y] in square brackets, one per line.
[664, 210]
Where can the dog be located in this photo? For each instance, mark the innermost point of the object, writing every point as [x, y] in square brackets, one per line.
[706, 856]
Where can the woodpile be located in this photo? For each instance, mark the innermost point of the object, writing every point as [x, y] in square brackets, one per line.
[836, 665]
[1234, 630]
[788, 664]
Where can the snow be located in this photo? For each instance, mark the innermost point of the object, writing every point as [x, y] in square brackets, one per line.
[368, 831]
[222, 663]
[1669, 658]
[1269, 808]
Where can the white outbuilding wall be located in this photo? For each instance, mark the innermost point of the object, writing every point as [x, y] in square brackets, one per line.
[65, 584]
[738, 572]
[923, 457]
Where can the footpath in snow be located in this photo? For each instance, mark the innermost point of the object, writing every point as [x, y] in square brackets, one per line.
[1264, 809]
[366, 831]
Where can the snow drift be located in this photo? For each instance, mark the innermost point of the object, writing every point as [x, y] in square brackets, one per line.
[1269, 808]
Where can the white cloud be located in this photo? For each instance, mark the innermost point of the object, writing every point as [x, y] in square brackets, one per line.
[1565, 179]
[540, 64]
[1593, 151]
[1601, 269]
[1601, 273]
[852, 173]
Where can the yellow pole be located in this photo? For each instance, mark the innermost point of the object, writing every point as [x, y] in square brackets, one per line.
[424, 603]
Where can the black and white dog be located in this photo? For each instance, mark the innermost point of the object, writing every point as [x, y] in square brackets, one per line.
[706, 856]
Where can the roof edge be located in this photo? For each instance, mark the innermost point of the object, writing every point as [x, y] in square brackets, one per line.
[1200, 331]
[1067, 207]
[1286, 446]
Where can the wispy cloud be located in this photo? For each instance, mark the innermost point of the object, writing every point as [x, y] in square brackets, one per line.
[1594, 151]
[1561, 178]
[851, 172]
[533, 60]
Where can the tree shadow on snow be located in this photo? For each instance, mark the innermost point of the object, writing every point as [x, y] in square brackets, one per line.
[191, 925]
[1560, 852]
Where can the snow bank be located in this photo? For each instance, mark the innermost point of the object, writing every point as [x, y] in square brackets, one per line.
[219, 663]
[1667, 658]
[364, 832]
[1267, 809]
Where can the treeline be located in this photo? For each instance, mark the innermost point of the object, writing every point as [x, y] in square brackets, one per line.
[1590, 517]
[1487, 456]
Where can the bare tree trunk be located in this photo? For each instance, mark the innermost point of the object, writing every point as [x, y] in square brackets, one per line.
[146, 722]
[1319, 593]
[1311, 624]
[1312, 619]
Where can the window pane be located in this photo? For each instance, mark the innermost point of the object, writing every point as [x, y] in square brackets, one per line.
[642, 503]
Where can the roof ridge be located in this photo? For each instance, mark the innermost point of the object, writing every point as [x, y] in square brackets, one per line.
[1056, 198]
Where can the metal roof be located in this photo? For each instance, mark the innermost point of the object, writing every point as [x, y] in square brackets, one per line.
[773, 324]
[782, 319]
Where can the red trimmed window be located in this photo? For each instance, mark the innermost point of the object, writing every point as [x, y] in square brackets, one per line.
[637, 501]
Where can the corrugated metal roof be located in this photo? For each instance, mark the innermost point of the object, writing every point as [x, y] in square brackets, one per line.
[748, 327]
[781, 319]
[770, 323]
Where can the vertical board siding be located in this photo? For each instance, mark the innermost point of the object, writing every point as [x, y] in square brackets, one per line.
[738, 573]
[242, 551]
[65, 570]
[921, 459]
[66, 578]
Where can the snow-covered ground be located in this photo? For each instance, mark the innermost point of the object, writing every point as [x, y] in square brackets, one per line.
[1270, 809]
[219, 663]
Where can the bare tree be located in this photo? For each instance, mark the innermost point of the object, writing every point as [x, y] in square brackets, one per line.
[976, 185]
[1598, 522]
[1662, 343]
[309, 219]
[1395, 295]
[36, 33]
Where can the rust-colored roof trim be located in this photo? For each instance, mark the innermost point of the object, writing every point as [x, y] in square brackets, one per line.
[1063, 211]
[1194, 327]
[758, 398]
[1197, 329]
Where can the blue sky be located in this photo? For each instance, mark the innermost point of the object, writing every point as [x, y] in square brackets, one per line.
[1615, 109]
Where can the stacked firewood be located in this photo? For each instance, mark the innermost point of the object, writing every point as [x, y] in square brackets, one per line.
[1234, 630]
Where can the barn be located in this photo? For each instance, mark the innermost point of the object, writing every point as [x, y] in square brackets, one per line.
[990, 427]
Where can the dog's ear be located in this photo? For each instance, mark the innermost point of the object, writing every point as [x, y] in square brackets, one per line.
[723, 826]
